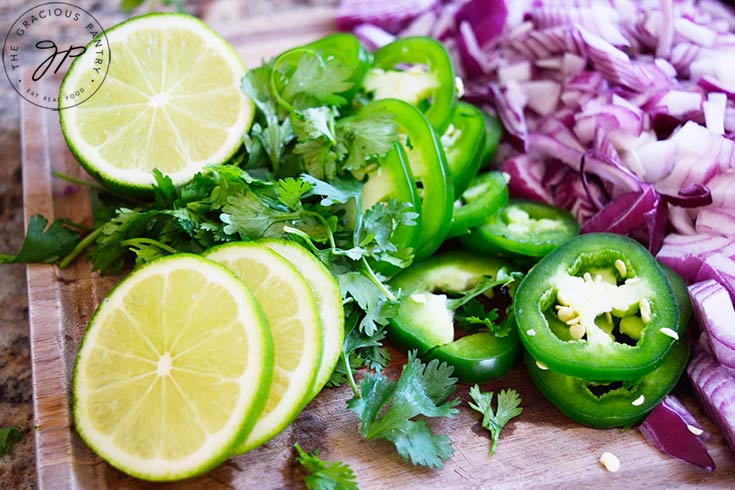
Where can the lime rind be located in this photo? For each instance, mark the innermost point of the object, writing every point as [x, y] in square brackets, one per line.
[328, 299]
[297, 383]
[137, 182]
[254, 381]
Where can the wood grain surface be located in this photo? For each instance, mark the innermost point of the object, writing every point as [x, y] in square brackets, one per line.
[539, 449]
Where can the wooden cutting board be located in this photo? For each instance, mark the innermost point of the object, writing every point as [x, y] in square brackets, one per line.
[539, 449]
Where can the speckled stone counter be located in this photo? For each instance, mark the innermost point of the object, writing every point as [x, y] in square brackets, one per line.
[17, 469]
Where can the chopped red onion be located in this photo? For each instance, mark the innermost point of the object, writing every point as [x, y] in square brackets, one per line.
[672, 429]
[485, 17]
[714, 311]
[527, 178]
[474, 60]
[718, 221]
[721, 268]
[715, 388]
[686, 253]
[690, 196]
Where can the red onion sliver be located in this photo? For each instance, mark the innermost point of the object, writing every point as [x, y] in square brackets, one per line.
[721, 268]
[714, 311]
[667, 428]
[686, 253]
[715, 388]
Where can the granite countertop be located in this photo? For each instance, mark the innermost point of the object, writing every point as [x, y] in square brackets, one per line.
[17, 469]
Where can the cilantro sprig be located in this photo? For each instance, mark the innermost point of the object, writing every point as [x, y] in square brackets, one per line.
[508, 407]
[324, 475]
[388, 410]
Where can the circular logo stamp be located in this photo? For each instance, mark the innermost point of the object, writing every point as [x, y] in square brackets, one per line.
[42, 44]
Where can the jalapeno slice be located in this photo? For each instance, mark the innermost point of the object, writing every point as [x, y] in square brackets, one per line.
[464, 144]
[432, 89]
[392, 179]
[349, 51]
[481, 357]
[610, 404]
[428, 166]
[426, 315]
[580, 309]
[523, 227]
[485, 196]
[493, 133]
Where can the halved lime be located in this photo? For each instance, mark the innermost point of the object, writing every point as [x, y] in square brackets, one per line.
[174, 369]
[171, 100]
[328, 302]
[290, 308]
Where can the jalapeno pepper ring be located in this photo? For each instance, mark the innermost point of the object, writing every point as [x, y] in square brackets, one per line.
[610, 404]
[599, 307]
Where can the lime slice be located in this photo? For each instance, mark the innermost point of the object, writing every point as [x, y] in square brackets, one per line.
[174, 369]
[171, 100]
[290, 307]
[328, 302]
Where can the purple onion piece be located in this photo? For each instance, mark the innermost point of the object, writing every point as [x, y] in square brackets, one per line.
[714, 311]
[610, 171]
[715, 389]
[721, 268]
[692, 195]
[667, 428]
[485, 17]
[656, 224]
[527, 177]
[624, 214]
[686, 253]
[470, 54]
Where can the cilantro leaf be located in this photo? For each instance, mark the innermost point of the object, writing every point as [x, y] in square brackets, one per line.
[318, 158]
[377, 307]
[322, 81]
[508, 407]
[472, 317]
[164, 191]
[291, 190]
[109, 253]
[338, 191]
[324, 475]
[377, 231]
[8, 437]
[365, 136]
[43, 244]
[249, 217]
[313, 123]
[386, 409]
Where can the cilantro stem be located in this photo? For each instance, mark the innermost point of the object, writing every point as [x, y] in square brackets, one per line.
[74, 180]
[374, 279]
[86, 241]
[330, 235]
[348, 371]
[133, 242]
